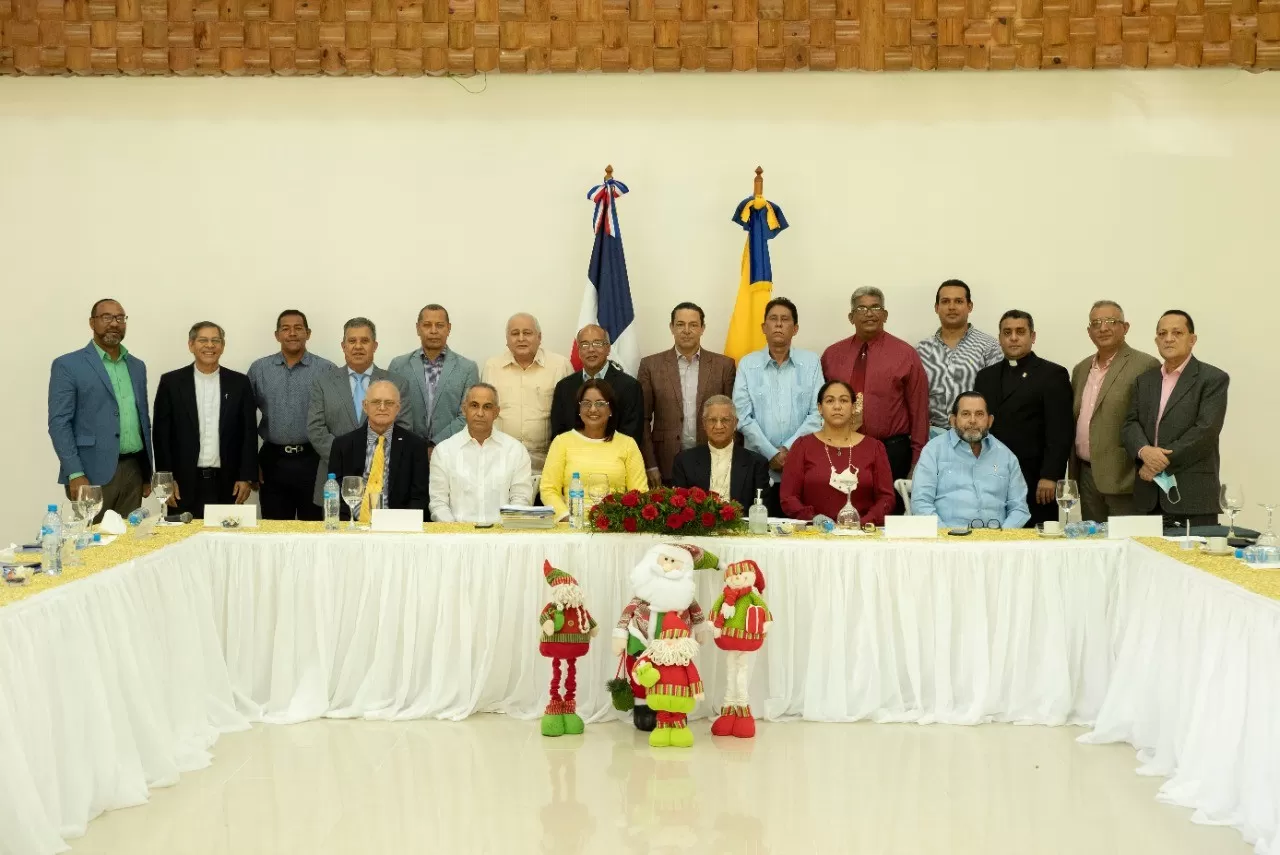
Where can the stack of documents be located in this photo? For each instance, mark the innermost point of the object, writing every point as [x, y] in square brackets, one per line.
[527, 516]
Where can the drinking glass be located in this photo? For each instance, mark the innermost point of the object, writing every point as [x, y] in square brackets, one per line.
[597, 487]
[162, 487]
[91, 498]
[1068, 494]
[848, 518]
[1268, 538]
[1231, 500]
[352, 492]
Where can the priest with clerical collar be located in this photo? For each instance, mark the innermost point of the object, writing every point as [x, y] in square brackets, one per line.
[1031, 401]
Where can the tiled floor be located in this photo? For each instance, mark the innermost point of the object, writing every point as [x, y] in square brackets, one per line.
[494, 785]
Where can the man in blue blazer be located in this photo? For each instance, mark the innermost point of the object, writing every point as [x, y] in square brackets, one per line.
[98, 414]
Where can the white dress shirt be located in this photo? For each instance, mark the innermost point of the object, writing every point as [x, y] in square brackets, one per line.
[209, 411]
[721, 469]
[470, 481]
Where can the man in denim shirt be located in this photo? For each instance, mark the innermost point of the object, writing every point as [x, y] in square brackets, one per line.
[966, 474]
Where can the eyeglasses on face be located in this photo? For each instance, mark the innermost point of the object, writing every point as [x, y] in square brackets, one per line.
[994, 524]
[1099, 323]
[381, 404]
[868, 310]
[106, 319]
[205, 342]
[592, 345]
[593, 405]
[719, 422]
[488, 408]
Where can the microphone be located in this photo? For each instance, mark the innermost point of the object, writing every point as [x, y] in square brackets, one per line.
[184, 517]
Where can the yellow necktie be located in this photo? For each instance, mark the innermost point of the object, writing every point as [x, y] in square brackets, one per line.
[373, 487]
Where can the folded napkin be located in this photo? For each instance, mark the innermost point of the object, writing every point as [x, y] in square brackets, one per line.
[113, 523]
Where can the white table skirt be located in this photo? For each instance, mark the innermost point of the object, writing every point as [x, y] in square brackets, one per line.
[124, 680]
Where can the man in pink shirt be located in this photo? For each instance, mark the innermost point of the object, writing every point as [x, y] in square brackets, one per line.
[1173, 427]
[1103, 387]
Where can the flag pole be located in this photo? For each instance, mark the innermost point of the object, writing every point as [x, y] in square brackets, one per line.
[759, 183]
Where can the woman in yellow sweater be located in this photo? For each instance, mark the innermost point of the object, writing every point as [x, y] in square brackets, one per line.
[593, 448]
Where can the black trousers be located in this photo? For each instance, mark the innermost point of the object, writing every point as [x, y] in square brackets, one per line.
[210, 487]
[898, 449]
[288, 482]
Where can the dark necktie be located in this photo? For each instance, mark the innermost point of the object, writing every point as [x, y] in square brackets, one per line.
[859, 378]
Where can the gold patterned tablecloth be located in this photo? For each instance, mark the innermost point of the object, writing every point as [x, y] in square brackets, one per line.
[127, 548]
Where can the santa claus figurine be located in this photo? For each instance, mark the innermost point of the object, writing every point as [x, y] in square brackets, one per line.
[662, 584]
[672, 684]
[739, 621]
[567, 630]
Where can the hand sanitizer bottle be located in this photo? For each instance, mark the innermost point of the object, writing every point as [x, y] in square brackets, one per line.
[758, 516]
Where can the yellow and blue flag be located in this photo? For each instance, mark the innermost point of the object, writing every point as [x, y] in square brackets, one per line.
[762, 220]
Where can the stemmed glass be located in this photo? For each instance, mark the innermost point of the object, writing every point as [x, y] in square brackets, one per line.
[1067, 492]
[848, 518]
[162, 488]
[1231, 500]
[1269, 537]
[90, 498]
[597, 487]
[352, 492]
[74, 524]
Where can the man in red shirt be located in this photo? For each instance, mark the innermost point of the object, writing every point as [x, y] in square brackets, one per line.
[889, 374]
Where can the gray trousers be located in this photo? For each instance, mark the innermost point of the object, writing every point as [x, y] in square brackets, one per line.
[1096, 505]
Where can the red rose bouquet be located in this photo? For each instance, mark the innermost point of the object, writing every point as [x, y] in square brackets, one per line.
[666, 511]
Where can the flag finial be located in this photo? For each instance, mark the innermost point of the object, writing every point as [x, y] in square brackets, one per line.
[608, 172]
[759, 187]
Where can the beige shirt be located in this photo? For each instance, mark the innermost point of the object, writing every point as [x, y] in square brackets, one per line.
[524, 395]
[721, 466]
[688, 369]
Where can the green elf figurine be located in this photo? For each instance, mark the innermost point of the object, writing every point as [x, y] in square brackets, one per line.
[671, 681]
[567, 630]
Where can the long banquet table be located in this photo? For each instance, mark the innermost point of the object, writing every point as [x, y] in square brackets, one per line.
[122, 679]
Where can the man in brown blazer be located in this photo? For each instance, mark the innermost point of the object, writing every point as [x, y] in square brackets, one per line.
[1103, 386]
[675, 384]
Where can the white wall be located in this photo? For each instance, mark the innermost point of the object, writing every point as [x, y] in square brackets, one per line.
[231, 199]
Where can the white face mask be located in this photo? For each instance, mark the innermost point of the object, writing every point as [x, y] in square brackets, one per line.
[846, 481]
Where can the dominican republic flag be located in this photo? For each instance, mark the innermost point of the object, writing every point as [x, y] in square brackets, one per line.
[607, 298]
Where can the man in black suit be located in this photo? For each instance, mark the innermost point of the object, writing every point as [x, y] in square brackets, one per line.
[392, 460]
[1175, 420]
[204, 429]
[1031, 401]
[593, 349]
[721, 466]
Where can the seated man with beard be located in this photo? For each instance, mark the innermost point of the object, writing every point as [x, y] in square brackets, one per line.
[968, 477]
[661, 583]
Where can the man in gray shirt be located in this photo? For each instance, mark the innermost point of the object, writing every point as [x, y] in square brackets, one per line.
[955, 354]
[281, 384]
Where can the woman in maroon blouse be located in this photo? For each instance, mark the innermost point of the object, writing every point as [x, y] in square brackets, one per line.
[838, 446]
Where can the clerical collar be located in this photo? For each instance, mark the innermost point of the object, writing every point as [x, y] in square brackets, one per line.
[1013, 363]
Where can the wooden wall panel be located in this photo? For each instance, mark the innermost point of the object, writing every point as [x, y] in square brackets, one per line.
[413, 37]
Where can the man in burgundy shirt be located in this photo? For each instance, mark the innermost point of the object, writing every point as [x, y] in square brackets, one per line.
[889, 374]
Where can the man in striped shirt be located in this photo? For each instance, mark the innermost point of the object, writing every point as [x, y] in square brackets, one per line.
[955, 354]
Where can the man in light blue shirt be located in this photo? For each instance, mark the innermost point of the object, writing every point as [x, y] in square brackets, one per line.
[775, 394]
[966, 474]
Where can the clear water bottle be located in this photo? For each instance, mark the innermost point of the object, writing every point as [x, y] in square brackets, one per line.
[51, 542]
[758, 516]
[577, 503]
[331, 503]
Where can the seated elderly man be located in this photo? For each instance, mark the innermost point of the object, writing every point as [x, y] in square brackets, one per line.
[393, 461]
[966, 476]
[478, 470]
[720, 466]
